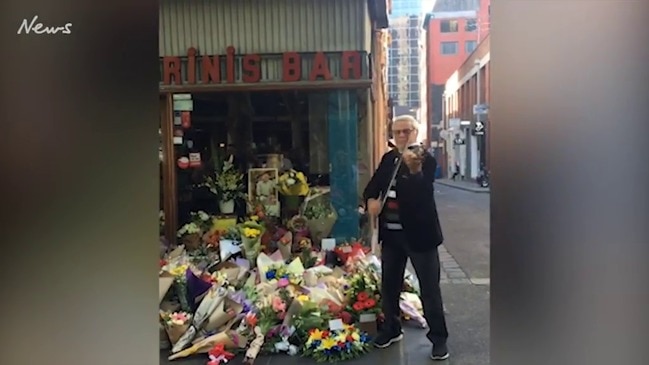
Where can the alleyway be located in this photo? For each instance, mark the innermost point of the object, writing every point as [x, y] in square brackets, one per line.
[465, 286]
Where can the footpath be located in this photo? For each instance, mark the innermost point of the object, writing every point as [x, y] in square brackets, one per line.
[466, 185]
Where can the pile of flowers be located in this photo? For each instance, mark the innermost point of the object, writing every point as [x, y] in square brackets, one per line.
[336, 345]
[268, 304]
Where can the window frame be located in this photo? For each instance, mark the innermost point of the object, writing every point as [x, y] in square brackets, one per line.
[441, 48]
[450, 27]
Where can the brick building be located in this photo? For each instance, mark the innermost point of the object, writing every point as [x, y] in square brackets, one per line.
[466, 134]
[453, 30]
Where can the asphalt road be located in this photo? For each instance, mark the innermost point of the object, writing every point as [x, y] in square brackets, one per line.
[465, 286]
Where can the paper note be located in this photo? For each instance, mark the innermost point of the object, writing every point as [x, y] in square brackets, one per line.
[228, 249]
[336, 325]
[367, 317]
[328, 244]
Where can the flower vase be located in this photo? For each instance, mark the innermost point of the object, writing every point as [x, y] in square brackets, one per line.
[251, 248]
[226, 206]
[192, 241]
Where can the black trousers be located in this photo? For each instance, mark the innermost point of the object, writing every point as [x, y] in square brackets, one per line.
[394, 257]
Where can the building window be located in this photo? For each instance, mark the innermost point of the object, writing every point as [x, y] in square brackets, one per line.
[448, 26]
[469, 46]
[471, 25]
[448, 48]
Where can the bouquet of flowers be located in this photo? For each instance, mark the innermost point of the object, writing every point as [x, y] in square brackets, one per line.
[338, 345]
[293, 183]
[251, 233]
[363, 295]
[190, 234]
[203, 220]
[180, 284]
[228, 184]
[176, 324]
[309, 316]
[232, 233]
[299, 226]
[219, 355]
[320, 215]
[350, 251]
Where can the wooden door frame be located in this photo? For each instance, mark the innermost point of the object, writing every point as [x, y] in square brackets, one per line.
[169, 183]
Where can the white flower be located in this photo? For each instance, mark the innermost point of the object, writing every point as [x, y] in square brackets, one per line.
[203, 216]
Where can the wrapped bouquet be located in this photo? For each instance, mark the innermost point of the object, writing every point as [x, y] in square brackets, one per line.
[251, 232]
[336, 345]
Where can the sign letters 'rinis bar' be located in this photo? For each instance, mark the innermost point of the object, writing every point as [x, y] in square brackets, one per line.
[211, 72]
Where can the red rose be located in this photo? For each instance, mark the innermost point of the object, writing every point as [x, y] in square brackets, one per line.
[325, 334]
[163, 262]
[346, 317]
[359, 306]
[370, 303]
[341, 344]
[362, 296]
[349, 338]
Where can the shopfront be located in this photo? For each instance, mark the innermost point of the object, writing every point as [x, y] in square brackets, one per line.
[260, 79]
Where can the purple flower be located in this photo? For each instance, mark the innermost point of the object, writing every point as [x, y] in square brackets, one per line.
[247, 306]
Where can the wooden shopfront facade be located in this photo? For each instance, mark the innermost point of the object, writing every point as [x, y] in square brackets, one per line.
[321, 61]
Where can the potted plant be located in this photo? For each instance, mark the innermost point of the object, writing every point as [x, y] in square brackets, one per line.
[229, 186]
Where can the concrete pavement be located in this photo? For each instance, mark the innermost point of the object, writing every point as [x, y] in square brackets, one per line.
[465, 287]
[467, 185]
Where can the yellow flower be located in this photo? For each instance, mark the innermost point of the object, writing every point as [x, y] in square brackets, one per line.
[356, 336]
[329, 343]
[254, 218]
[341, 337]
[251, 232]
[315, 335]
[179, 270]
[302, 298]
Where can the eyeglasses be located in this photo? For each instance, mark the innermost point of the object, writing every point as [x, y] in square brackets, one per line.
[405, 132]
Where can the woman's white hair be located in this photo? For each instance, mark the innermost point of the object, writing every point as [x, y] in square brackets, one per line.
[413, 121]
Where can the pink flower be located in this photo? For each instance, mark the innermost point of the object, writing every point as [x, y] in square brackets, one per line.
[283, 282]
[278, 304]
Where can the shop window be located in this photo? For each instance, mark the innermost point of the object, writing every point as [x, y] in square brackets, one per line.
[260, 129]
[448, 48]
[449, 26]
